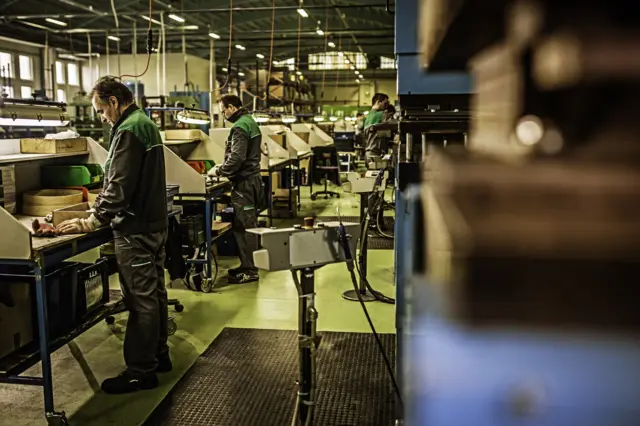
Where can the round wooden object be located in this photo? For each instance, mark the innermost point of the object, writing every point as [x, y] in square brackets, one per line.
[93, 194]
[53, 197]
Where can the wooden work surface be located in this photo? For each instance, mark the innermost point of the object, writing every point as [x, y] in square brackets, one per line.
[39, 243]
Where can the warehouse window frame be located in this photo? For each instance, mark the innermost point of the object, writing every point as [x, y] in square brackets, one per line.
[387, 63]
[337, 61]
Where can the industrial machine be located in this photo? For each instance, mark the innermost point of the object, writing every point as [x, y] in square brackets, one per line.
[518, 243]
[303, 251]
[85, 121]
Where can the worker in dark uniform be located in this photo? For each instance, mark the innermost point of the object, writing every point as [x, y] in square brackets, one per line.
[375, 143]
[133, 202]
[242, 167]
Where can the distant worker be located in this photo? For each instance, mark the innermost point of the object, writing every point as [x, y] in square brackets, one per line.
[241, 166]
[133, 201]
[375, 143]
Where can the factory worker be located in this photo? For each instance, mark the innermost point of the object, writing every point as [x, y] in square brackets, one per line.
[133, 202]
[375, 144]
[242, 167]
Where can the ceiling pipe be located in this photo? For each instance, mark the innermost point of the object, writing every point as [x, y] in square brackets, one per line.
[336, 31]
[199, 11]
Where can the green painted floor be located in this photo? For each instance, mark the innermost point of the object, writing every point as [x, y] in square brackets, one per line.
[270, 304]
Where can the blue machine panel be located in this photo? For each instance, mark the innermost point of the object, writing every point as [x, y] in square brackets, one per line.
[516, 378]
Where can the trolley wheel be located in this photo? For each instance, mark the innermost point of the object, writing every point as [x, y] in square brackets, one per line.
[57, 419]
[110, 320]
[206, 285]
[172, 327]
[313, 197]
[179, 308]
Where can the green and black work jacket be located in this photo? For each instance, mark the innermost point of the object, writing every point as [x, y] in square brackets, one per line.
[134, 195]
[242, 152]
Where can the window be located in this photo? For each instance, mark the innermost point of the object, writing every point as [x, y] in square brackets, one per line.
[61, 96]
[8, 90]
[72, 74]
[26, 67]
[387, 63]
[337, 61]
[60, 73]
[25, 92]
[6, 65]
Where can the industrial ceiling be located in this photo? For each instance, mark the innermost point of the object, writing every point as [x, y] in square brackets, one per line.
[357, 25]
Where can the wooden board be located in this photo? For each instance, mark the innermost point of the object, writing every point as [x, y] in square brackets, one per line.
[219, 227]
[52, 146]
[77, 211]
[184, 134]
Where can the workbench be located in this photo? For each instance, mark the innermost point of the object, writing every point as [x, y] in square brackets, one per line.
[47, 255]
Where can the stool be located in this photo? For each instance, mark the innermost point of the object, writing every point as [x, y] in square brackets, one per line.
[324, 171]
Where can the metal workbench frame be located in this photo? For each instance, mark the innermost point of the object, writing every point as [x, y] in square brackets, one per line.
[209, 200]
[42, 261]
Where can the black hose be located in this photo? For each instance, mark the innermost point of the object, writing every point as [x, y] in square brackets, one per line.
[387, 362]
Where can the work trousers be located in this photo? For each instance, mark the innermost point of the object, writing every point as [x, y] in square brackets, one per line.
[141, 267]
[247, 199]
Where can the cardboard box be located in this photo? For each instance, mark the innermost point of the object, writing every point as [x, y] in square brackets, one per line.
[52, 146]
[8, 189]
[16, 327]
[71, 212]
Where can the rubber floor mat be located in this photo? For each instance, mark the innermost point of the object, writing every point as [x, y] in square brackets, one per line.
[248, 377]
[375, 242]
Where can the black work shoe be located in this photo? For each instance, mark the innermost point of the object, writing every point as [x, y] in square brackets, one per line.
[127, 383]
[243, 277]
[234, 271]
[164, 364]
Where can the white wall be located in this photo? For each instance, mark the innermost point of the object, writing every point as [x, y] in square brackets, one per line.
[198, 72]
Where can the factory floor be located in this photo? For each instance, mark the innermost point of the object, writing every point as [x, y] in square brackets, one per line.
[80, 367]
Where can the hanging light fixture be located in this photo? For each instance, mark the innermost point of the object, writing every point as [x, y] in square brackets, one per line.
[318, 118]
[261, 117]
[194, 116]
[29, 113]
[331, 44]
[333, 118]
[319, 30]
[288, 119]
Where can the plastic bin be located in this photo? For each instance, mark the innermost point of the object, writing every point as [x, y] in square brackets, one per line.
[91, 288]
[63, 176]
[192, 229]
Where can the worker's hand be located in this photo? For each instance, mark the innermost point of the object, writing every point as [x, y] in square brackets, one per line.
[78, 226]
[214, 171]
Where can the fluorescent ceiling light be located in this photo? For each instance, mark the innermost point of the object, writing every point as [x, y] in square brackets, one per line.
[52, 115]
[318, 118]
[55, 21]
[352, 67]
[214, 35]
[298, 73]
[288, 119]
[319, 31]
[356, 72]
[146, 18]
[225, 70]
[340, 53]
[114, 38]
[28, 122]
[261, 118]
[357, 81]
[303, 13]
[241, 74]
[241, 47]
[333, 118]
[275, 63]
[259, 55]
[190, 27]
[332, 44]
[176, 18]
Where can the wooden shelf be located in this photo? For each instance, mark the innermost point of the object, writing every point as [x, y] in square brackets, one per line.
[16, 158]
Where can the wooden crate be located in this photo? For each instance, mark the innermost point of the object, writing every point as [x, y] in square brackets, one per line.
[52, 146]
[72, 212]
